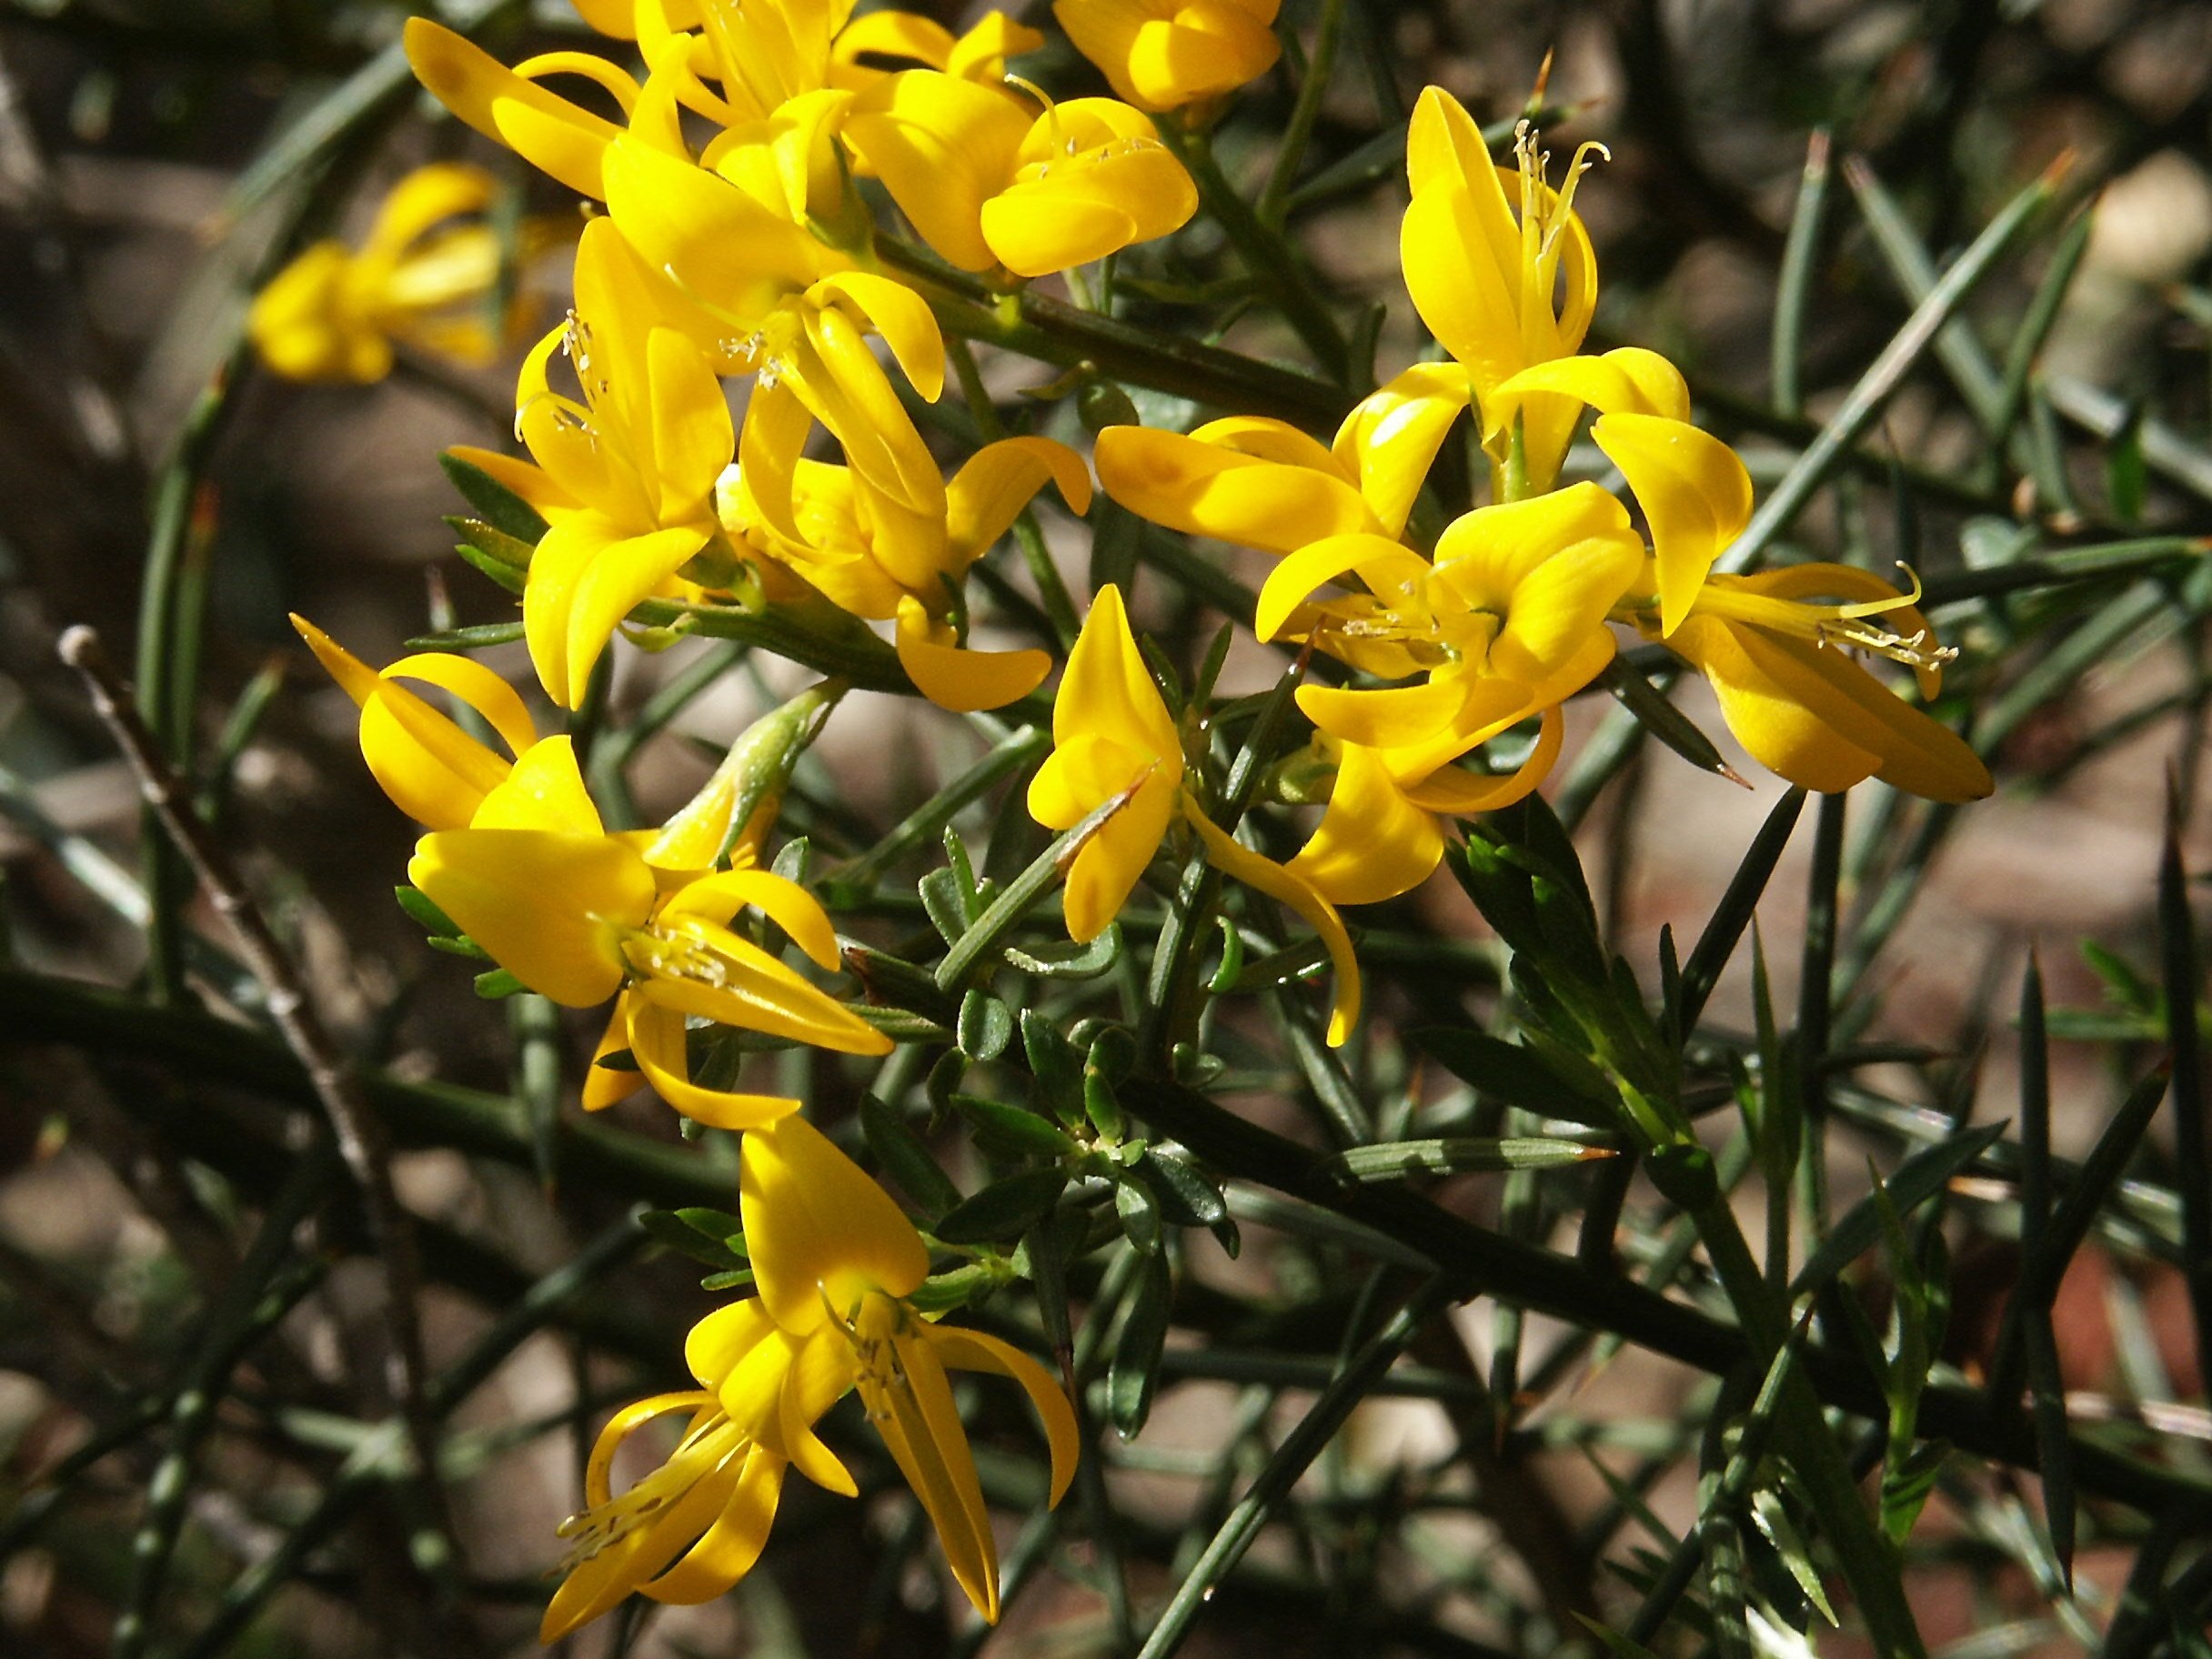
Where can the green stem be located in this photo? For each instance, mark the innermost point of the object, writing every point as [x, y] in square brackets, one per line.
[1274, 200]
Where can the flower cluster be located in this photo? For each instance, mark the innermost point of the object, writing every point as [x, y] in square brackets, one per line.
[735, 152]
[1505, 613]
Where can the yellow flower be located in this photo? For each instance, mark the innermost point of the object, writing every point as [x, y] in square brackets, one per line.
[834, 1262]
[1692, 488]
[625, 476]
[1382, 833]
[421, 278]
[875, 560]
[510, 107]
[434, 771]
[1777, 647]
[988, 184]
[978, 55]
[1501, 269]
[1262, 483]
[1508, 621]
[577, 914]
[781, 305]
[1162, 55]
[1113, 737]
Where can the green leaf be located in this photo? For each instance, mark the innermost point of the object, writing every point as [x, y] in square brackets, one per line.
[500, 506]
[1139, 1213]
[426, 914]
[985, 1027]
[496, 984]
[1003, 1210]
[1520, 1077]
[905, 1159]
[1055, 1065]
[1022, 895]
[1918, 1179]
[1068, 960]
[1133, 1373]
[707, 1236]
[1013, 1131]
[1394, 1161]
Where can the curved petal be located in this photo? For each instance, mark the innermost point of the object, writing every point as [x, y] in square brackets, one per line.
[901, 317]
[1246, 865]
[1372, 843]
[606, 1086]
[910, 1402]
[783, 901]
[543, 906]
[1384, 564]
[960, 680]
[1108, 689]
[836, 375]
[1460, 794]
[818, 1229]
[1111, 862]
[944, 147]
[545, 129]
[693, 433]
[964, 1350]
[1770, 716]
[1487, 554]
[1562, 604]
[1389, 718]
[733, 1544]
[1627, 380]
[1201, 489]
[476, 686]
[993, 484]
[658, 1044]
[544, 789]
[1086, 205]
[1695, 495]
[1390, 438]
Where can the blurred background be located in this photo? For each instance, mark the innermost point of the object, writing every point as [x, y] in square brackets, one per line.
[159, 157]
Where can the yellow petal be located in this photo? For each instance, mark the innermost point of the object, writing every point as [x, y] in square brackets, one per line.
[1456, 793]
[307, 326]
[996, 482]
[1389, 718]
[542, 905]
[836, 375]
[1124, 188]
[1203, 490]
[1278, 883]
[692, 436]
[944, 147]
[790, 906]
[964, 682]
[733, 1544]
[1628, 380]
[720, 244]
[1205, 50]
[657, 1041]
[1111, 862]
[901, 317]
[543, 790]
[1108, 689]
[604, 1086]
[982, 53]
[1388, 568]
[547, 130]
[1372, 843]
[1390, 438]
[818, 1228]
[715, 974]
[1695, 495]
[910, 1403]
[977, 1350]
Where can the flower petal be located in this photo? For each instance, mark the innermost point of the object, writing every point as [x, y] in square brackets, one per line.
[993, 484]
[1372, 843]
[545, 129]
[1246, 865]
[964, 1350]
[944, 147]
[542, 905]
[658, 1044]
[1201, 489]
[818, 1229]
[1695, 495]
